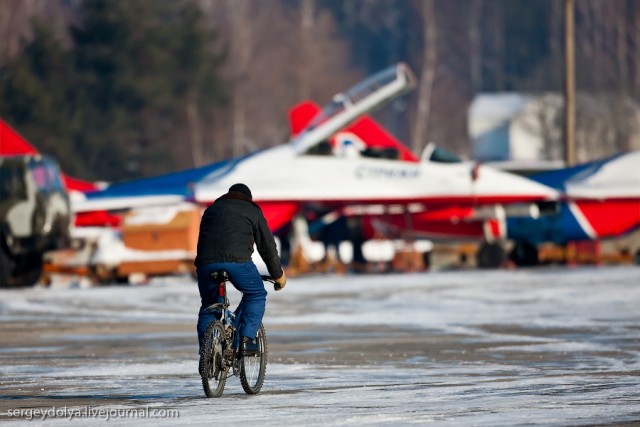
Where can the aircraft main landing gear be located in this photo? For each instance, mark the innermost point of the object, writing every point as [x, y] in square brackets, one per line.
[490, 255]
[524, 254]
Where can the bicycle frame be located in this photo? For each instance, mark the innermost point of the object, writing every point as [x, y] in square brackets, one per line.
[224, 354]
[228, 317]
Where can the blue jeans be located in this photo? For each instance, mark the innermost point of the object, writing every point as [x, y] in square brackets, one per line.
[246, 279]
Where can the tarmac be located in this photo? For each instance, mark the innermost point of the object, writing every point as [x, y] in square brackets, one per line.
[469, 348]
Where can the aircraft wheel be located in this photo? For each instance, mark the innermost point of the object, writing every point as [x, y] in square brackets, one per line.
[490, 255]
[524, 254]
[638, 257]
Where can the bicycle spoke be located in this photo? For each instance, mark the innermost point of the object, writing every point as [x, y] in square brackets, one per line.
[253, 368]
[213, 369]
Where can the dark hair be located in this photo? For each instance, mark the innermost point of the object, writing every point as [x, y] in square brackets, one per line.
[241, 188]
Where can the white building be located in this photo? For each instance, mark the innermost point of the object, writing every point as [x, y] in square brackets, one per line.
[524, 128]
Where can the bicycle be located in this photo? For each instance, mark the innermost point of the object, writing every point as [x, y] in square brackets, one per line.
[221, 345]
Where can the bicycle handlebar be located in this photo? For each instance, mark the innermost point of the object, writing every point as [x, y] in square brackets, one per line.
[268, 279]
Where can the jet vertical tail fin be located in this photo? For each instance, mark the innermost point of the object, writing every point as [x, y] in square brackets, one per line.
[349, 106]
[12, 143]
[300, 115]
[369, 132]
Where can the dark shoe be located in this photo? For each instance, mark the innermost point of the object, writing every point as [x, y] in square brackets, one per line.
[250, 347]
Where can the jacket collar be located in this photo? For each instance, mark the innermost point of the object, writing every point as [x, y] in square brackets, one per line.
[236, 195]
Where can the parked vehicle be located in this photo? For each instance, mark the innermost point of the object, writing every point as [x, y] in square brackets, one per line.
[35, 216]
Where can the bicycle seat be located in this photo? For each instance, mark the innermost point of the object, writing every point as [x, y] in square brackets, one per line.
[219, 276]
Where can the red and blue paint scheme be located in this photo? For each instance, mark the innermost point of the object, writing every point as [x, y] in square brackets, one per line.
[339, 161]
[600, 200]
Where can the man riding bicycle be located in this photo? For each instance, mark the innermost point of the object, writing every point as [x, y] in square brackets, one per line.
[228, 231]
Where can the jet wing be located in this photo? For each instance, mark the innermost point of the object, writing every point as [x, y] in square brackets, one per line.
[600, 199]
[155, 191]
[617, 177]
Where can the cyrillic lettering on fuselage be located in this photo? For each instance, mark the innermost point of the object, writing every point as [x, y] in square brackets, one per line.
[372, 172]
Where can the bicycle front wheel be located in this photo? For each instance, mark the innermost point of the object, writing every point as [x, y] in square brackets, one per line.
[212, 367]
[254, 368]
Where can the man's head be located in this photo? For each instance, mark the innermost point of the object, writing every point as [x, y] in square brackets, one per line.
[241, 188]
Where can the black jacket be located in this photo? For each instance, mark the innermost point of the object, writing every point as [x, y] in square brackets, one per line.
[228, 230]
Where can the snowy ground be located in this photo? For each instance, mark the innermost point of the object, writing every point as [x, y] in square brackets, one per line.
[532, 347]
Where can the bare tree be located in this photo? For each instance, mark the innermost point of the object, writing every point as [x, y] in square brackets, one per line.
[241, 50]
[475, 43]
[622, 34]
[291, 52]
[306, 33]
[635, 50]
[16, 17]
[428, 74]
[542, 119]
[195, 129]
[495, 26]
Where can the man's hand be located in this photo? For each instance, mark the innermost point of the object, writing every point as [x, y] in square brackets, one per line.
[280, 283]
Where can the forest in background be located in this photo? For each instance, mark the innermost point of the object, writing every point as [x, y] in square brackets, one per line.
[124, 89]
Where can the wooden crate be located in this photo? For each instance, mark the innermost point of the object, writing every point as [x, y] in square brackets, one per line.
[181, 232]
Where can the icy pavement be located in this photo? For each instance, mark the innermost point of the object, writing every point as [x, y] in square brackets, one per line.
[530, 347]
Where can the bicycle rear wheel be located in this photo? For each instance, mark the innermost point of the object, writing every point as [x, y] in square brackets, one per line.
[212, 367]
[253, 368]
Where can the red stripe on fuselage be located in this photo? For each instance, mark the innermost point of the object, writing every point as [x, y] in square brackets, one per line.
[611, 218]
[444, 216]
[439, 202]
[399, 224]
